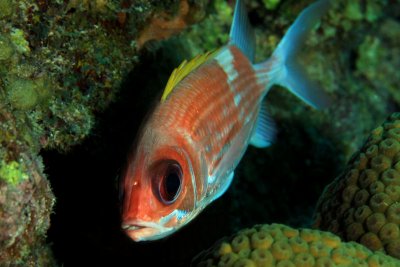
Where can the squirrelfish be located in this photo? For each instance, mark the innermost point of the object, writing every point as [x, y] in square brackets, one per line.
[212, 108]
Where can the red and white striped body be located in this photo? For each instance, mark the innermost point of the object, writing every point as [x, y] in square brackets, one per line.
[215, 107]
[204, 125]
[210, 111]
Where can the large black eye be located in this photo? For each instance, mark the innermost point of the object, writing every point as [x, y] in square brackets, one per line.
[169, 182]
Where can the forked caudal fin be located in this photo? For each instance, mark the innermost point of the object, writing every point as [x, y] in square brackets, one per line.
[283, 69]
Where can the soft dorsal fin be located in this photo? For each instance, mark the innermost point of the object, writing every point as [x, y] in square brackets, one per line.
[242, 34]
[183, 70]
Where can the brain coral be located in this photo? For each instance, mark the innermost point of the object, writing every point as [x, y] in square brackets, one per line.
[362, 204]
[283, 246]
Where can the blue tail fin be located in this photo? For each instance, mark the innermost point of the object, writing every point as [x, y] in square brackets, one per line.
[283, 68]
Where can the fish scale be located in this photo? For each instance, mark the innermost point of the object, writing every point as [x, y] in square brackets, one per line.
[202, 127]
[210, 127]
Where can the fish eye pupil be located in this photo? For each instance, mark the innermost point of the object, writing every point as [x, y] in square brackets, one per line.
[170, 183]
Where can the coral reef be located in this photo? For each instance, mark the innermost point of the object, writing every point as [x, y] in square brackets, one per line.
[61, 63]
[283, 181]
[280, 245]
[76, 64]
[164, 26]
[362, 204]
[26, 200]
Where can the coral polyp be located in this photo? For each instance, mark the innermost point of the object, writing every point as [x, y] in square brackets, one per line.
[281, 245]
[362, 204]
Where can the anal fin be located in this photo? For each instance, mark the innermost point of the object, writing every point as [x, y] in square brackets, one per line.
[265, 132]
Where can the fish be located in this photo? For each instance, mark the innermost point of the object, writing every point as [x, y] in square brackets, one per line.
[210, 111]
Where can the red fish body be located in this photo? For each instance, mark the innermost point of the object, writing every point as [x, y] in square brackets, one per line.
[211, 110]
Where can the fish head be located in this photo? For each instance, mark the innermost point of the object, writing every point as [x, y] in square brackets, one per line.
[159, 188]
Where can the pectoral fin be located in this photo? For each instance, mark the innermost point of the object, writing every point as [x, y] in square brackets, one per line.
[224, 186]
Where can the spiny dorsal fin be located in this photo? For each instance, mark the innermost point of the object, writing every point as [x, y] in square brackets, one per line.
[183, 70]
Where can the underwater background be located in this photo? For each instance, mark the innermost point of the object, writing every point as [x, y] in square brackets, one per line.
[78, 77]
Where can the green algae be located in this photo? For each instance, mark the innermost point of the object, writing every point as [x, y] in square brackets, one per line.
[44, 88]
[6, 8]
[271, 4]
[12, 173]
[22, 94]
[23, 70]
[211, 33]
[374, 10]
[72, 122]
[6, 48]
[353, 10]
[19, 41]
[369, 55]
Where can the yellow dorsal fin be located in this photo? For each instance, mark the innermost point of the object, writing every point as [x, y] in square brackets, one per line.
[183, 70]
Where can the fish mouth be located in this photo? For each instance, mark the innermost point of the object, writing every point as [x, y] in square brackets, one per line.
[127, 227]
[144, 231]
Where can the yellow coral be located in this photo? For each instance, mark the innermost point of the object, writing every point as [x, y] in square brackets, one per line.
[280, 245]
[261, 239]
[363, 201]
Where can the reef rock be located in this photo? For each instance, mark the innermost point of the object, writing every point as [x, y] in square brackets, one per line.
[26, 200]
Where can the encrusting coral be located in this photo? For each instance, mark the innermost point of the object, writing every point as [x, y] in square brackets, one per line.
[76, 64]
[362, 204]
[26, 200]
[61, 62]
[283, 246]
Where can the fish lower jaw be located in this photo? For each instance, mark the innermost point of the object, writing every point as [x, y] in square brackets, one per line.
[138, 224]
[144, 231]
[137, 232]
[128, 227]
